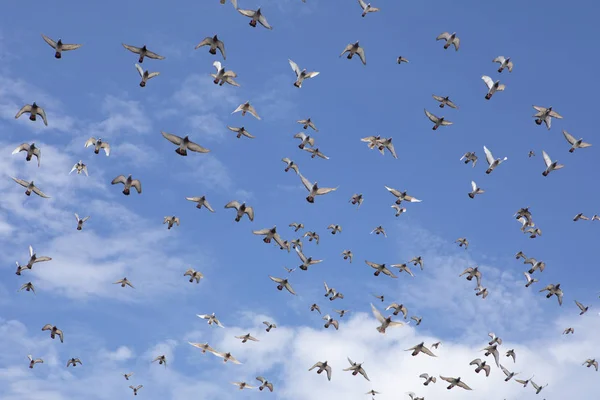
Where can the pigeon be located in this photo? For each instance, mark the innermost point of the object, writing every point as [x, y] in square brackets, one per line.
[550, 165]
[246, 337]
[33, 110]
[357, 199]
[135, 388]
[492, 86]
[438, 121]
[214, 44]
[469, 157]
[399, 210]
[455, 382]
[98, 144]
[575, 143]
[334, 228]
[308, 123]
[54, 331]
[367, 8]
[581, 307]
[59, 46]
[33, 361]
[194, 275]
[385, 322]
[269, 326]
[143, 52]
[201, 201]
[162, 360]
[462, 242]
[204, 347]
[445, 101]
[451, 39]
[256, 16]
[304, 140]
[241, 131]
[31, 149]
[80, 167]
[492, 162]
[301, 75]
[222, 76]
[511, 353]
[145, 75]
[554, 290]
[356, 369]
[226, 357]
[508, 374]
[481, 365]
[330, 322]
[354, 48]
[591, 362]
[380, 268]
[270, 234]
[211, 319]
[264, 384]
[402, 196]
[420, 348]
[545, 115]
[476, 190]
[74, 362]
[322, 366]
[171, 220]
[313, 189]
[504, 63]
[30, 186]
[80, 221]
[472, 273]
[398, 308]
[28, 287]
[537, 387]
[246, 107]
[241, 209]
[123, 282]
[428, 379]
[282, 283]
[401, 60]
[530, 280]
[184, 144]
[290, 165]
[306, 261]
[128, 183]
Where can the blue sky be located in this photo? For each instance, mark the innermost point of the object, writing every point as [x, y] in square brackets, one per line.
[94, 91]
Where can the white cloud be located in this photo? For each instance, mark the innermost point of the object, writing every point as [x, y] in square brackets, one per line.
[122, 353]
[285, 354]
[124, 117]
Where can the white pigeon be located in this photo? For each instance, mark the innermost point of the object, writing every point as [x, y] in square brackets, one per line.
[79, 167]
[492, 162]
[550, 165]
[222, 76]
[492, 86]
[504, 63]
[301, 75]
[575, 143]
[451, 39]
[367, 8]
[145, 75]
[476, 190]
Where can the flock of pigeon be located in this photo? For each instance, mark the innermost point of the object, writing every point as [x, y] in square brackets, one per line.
[543, 115]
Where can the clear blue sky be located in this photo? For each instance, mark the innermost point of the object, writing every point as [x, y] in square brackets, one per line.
[93, 91]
